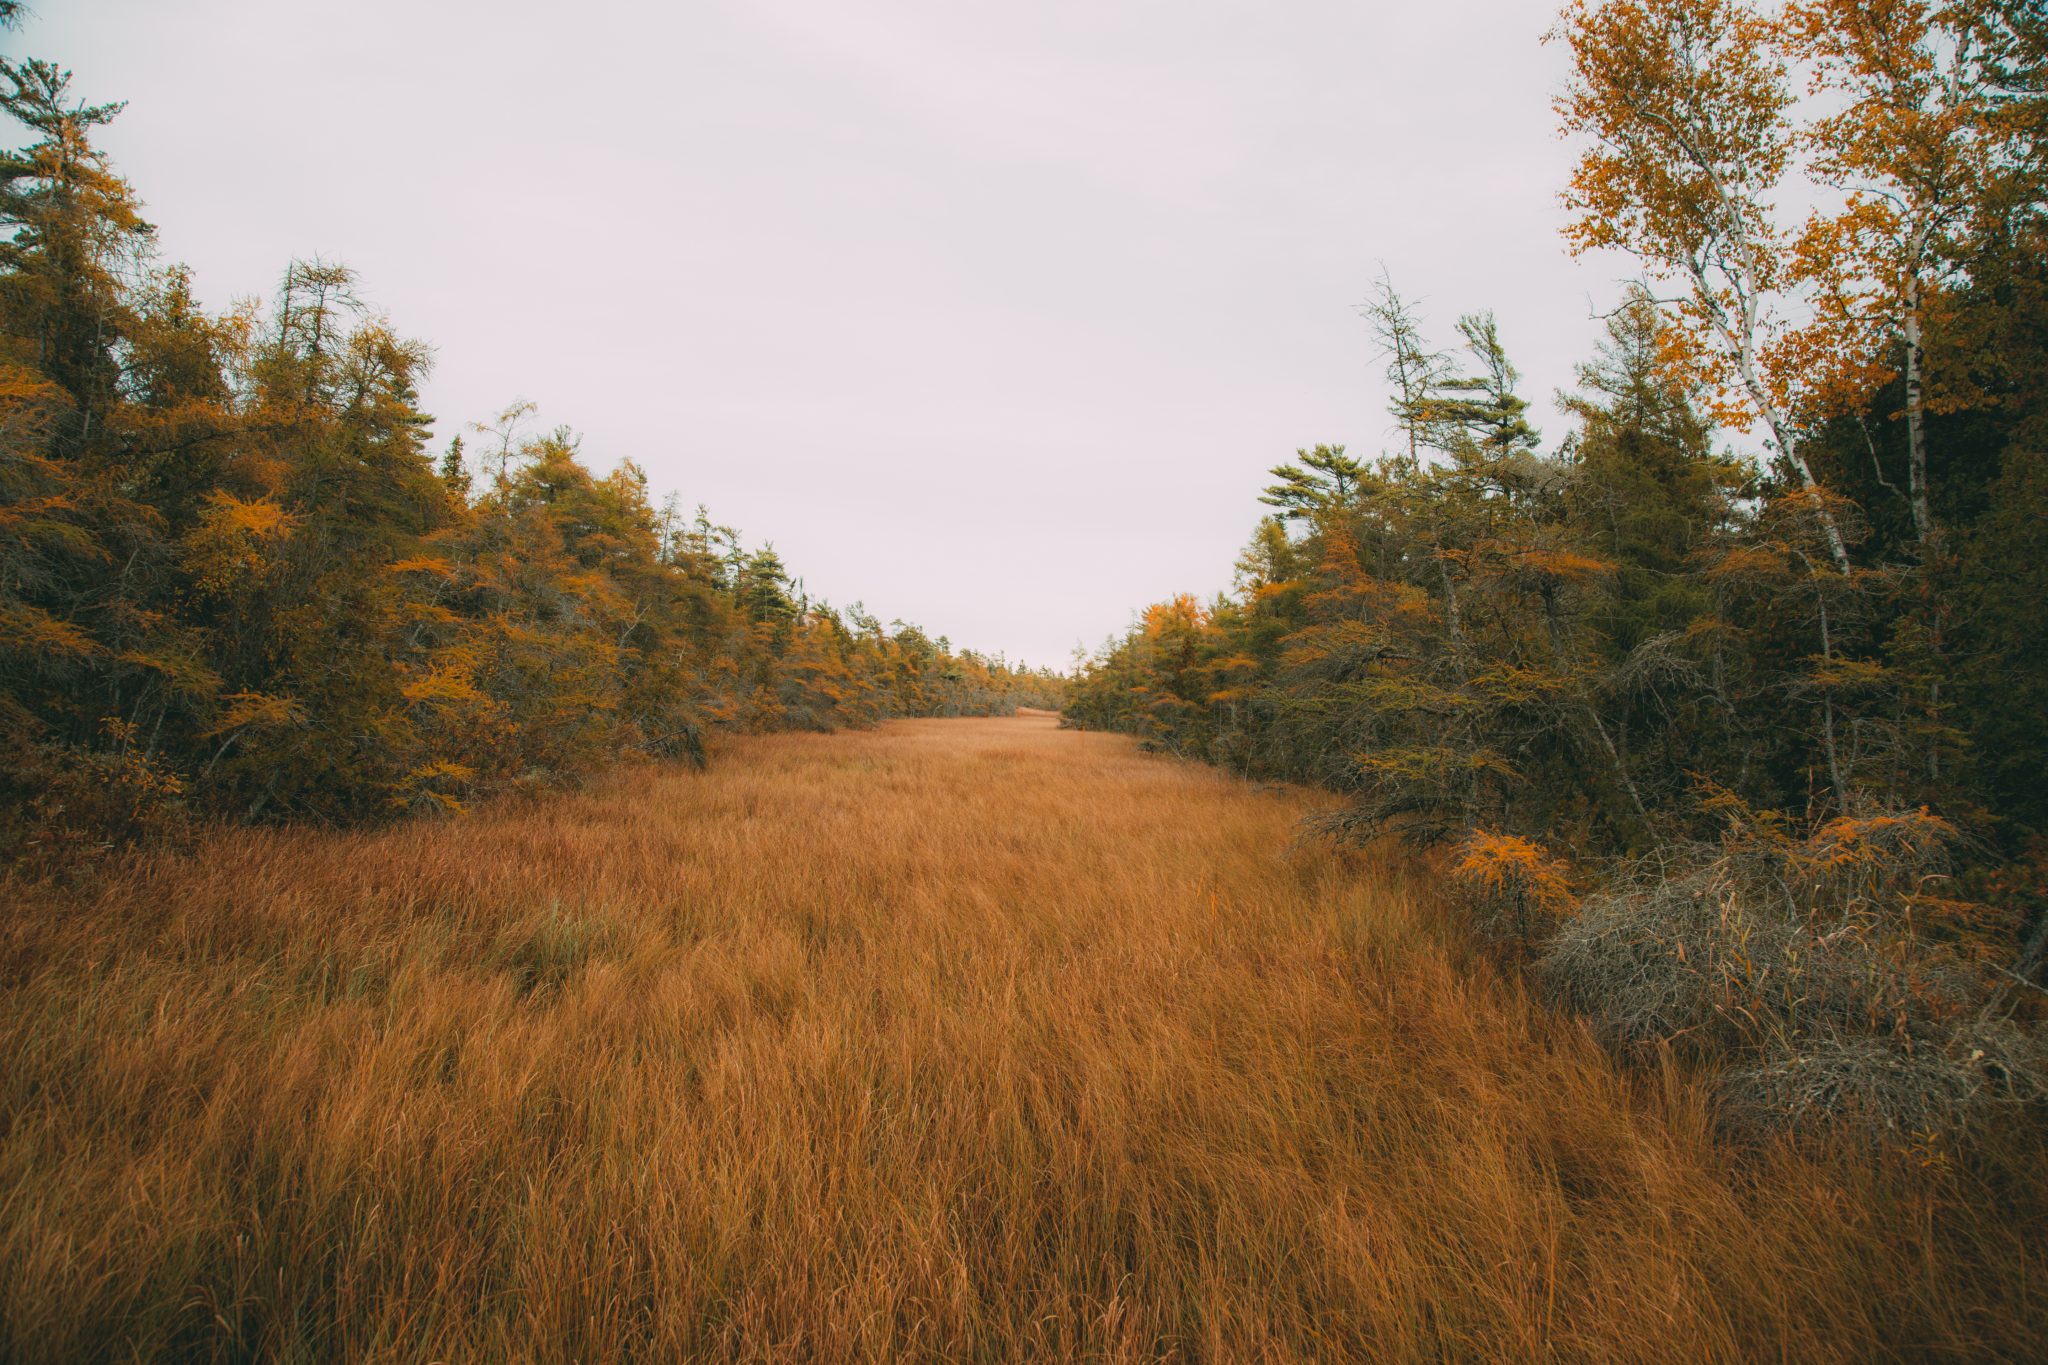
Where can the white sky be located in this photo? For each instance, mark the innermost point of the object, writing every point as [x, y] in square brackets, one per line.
[990, 314]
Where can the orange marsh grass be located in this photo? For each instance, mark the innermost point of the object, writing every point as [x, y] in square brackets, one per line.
[959, 1040]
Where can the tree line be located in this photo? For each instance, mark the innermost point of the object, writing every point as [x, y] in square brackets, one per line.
[1742, 753]
[235, 582]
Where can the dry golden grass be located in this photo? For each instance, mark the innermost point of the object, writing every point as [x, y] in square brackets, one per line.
[961, 1040]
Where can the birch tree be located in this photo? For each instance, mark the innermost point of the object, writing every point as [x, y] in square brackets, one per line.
[1684, 107]
[1911, 143]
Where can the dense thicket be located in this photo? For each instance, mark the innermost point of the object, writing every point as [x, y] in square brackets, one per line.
[234, 580]
[1748, 752]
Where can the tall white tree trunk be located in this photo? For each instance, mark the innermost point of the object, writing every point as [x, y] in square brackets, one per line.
[1916, 413]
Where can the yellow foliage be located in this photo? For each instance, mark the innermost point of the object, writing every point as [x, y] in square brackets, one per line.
[186, 675]
[443, 687]
[31, 630]
[1508, 870]
[259, 517]
[1877, 841]
[1563, 564]
[258, 710]
[1749, 562]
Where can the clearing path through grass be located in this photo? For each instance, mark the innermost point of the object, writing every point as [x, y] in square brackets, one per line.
[956, 1040]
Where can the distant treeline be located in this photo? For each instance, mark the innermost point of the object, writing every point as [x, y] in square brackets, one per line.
[1752, 755]
[234, 581]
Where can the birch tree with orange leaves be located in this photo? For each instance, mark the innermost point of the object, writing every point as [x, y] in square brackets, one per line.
[1684, 105]
[1912, 143]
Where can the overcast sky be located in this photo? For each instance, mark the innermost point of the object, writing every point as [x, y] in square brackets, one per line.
[990, 314]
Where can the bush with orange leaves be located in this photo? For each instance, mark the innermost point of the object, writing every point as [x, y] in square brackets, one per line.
[1516, 890]
[1824, 976]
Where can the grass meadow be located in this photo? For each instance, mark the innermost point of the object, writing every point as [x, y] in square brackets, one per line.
[957, 1040]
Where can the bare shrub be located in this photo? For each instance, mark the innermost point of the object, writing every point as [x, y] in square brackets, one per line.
[1644, 963]
[1919, 1089]
[1821, 975]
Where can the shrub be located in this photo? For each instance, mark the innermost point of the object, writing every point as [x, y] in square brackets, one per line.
[87, 801]
[1818, 975]
[1516, 891]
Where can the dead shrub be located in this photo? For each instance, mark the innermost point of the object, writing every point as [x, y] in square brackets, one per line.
[1820, 976]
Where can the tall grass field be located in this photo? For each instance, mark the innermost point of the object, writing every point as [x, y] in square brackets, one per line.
[964, 1040]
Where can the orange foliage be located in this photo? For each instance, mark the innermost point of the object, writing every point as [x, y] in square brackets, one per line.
[1508, 870]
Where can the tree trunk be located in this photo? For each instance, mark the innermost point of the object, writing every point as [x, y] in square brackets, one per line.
[1836, 778]
[1916, 420]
